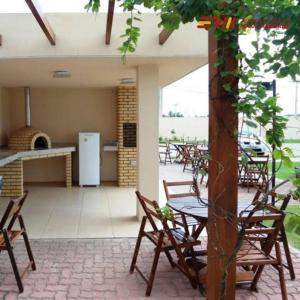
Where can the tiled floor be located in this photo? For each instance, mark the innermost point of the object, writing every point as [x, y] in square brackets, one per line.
[88, 212]
[107, 211]
[99, 269]
[57, 212]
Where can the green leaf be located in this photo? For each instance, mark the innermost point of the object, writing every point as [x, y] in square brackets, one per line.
[277, 154]
[254, 44]
[288, 151]
[251, 123]
[227, 87]
[283, 72]
[240, 55]
[296, 182]
[287, 162]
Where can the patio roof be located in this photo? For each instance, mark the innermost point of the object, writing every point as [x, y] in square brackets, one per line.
[82, 50]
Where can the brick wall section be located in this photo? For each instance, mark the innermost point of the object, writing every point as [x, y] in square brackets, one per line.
[126, 156]
[69, 170]
[12, 179]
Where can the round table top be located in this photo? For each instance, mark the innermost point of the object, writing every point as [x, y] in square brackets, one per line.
[193, 207]
[255, 159]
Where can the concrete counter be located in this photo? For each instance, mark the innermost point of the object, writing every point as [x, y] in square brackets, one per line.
[7, 156]
[11, 166]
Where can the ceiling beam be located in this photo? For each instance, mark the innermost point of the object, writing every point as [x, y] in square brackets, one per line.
[163, 36]
[42, 20]
[109, 21]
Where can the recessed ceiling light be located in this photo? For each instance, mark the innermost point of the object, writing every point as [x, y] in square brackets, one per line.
[128, 80]
[61, 74]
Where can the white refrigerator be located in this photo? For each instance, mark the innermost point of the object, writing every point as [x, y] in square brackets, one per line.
[89, 158]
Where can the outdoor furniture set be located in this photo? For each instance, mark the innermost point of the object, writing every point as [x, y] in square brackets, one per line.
[177, 236]
[252, 169]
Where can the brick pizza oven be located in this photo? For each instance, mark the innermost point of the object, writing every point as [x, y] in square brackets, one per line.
[28, 138]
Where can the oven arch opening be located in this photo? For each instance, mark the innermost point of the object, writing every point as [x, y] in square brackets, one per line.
[41, 143]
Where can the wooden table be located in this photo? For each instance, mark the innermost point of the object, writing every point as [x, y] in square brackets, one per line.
[254, 172]
[180, 148]
[254, 159]
[192, 207]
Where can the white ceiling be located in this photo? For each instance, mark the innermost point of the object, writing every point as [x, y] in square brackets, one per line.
[89, 72]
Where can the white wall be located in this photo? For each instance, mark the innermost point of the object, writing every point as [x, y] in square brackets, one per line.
[62, 113]
[184, 127]
[198, 127]
[293, 128]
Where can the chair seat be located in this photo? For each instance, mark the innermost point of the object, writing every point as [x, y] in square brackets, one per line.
[189, 220]
[250, 255]
[178, 234]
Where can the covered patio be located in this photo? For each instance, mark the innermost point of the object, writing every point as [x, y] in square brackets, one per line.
[83, 237]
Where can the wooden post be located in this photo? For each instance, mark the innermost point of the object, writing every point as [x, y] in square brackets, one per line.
[223, 181]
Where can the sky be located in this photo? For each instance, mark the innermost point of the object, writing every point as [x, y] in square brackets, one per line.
[188, 95]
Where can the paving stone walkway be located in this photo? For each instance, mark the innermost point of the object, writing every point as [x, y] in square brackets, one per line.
[98, 269]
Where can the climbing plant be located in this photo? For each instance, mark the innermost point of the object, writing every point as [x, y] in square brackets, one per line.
[275, 51]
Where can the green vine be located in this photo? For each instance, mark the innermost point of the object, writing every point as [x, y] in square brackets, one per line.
[276, 51]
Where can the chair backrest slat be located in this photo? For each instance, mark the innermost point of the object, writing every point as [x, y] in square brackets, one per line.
[285, 201]
[12, 211]
[194, 190]
[151, 209]
[268, 234]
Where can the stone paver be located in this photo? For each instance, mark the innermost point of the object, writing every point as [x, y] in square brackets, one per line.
[98, 269]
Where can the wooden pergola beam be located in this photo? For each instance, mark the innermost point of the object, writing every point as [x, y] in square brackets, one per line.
[109, 21]
[163, 36]
[223, 180]
[42, 20]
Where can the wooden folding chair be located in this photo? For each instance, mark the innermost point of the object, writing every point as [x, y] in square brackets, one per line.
[201, 165]
[189, 156]
[257, 244]
[282, 237]
[254, 247]
[8, 236]
[165, 154]
[255, 172]
[181, 219]
[164, 240]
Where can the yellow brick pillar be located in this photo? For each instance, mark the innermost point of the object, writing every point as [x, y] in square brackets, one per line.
[69, 170]
[126, 106]
[12, 179]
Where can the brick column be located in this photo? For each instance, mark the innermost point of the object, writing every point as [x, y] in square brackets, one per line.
[126, 155]
[12, 179]
[69, 170]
